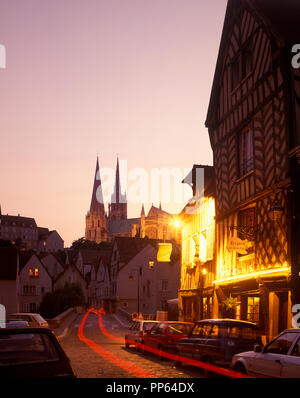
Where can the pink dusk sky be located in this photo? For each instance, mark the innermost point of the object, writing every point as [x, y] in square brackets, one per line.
[106, 77]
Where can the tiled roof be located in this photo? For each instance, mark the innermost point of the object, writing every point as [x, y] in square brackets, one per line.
[18, 221]
[130, 247]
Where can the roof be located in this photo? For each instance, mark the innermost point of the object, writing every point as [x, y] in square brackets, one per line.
[280, 17]
[97, 203]
[194, 178]
[90, 256]
[18, 221]
[8, 263]
[122, 226]
[25, 256]
[129, 247]
[155, 212]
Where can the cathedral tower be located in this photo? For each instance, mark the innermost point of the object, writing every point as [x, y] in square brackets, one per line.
[96, 219]
[118, 206]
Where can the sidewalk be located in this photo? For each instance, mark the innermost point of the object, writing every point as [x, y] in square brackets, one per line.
[64, 328]
[123, 321]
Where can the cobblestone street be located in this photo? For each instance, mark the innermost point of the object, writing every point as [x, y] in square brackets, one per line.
[89, 364]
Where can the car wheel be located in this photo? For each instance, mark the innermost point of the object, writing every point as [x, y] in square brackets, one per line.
[159, 354]
[142, 350]
[177, 363]
[206, 372]
[240, 368]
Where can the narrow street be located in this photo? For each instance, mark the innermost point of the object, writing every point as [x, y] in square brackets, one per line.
[90, 364]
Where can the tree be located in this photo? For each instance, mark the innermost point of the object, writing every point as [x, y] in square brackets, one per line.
[61, 299]
[83, 243]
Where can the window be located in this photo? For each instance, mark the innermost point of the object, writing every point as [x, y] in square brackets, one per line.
[281, 344]
[206, 330]
[247, 220]
[253, 309]
[179, 328]
[244, 333]
[163, 285]
[34, 272]
[27, 348]
[296, 350]
[207, 307]
[242, 66]
[29, 290]
[246, 162]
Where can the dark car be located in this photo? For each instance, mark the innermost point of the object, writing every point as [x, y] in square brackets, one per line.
[217, 340]
[165, 335]
[32, 352]
[137, 331]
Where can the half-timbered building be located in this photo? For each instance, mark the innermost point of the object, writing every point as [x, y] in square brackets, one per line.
[253, 123]
[196, 291]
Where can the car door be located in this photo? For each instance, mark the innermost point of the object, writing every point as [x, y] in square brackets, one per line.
[269, 362]
[291, 362]
[151, 337]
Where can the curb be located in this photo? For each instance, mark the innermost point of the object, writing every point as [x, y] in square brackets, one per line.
[66, 329]
[125, 325]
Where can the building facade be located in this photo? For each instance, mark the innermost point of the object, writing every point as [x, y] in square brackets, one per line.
[253, 126]
[196, 292]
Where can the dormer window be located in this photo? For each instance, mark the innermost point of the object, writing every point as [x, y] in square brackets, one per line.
[242, 66]
[34, 272]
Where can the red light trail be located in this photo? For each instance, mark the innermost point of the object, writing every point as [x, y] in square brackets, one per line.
[136, 370]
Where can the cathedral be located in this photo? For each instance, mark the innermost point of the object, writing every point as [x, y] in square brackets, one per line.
[104, 226]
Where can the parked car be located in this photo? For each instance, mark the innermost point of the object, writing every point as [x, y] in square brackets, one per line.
[137, 330]
[33, 319]
[279, 358]
[15, 323]
[32, 352]
[215, 341]
[165, 335]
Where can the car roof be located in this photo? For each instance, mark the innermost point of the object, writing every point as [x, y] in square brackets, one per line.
[227, 320]
[179, 322]
[24, 313]
[295, 330]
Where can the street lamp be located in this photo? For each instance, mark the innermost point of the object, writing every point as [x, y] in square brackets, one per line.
[139, 271]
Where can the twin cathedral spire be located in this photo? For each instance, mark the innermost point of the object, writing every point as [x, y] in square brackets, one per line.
[97, 220]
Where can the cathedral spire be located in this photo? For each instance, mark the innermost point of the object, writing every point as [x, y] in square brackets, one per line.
[117, 196]
[97, 202]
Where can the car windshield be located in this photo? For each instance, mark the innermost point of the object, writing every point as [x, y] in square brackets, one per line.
[148, 325]
[39, 318]
[26, 348]
[179, 328]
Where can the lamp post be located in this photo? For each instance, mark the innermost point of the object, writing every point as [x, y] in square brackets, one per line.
[139, 271]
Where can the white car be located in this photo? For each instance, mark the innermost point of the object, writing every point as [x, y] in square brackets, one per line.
[34, 320]
[279, 358]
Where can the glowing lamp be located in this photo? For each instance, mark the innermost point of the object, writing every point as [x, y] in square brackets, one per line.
[276, 211]
[164, 252]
